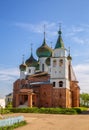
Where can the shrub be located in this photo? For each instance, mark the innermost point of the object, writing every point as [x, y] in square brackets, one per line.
[46, 110]
[78, 110]
[4, 111]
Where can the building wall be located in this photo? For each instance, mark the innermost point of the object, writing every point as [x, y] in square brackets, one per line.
[75, 94]
[16, 88]
[8, 98]
[42, 62]
[61, 97]
[2, 103]
[45, 95]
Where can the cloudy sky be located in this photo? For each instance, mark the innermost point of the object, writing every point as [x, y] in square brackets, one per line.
[22, 23]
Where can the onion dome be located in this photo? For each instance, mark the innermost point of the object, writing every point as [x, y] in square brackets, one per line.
[31, 62]
[44, 50]
[48, 61]
[59, 43]
[23, 66]
[69, 56]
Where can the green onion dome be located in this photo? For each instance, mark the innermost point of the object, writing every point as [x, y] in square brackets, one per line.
[31, 62]
[48, 61]
[44, 50]
[22, 67]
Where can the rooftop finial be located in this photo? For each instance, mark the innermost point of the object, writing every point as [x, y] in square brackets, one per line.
[69, 50]
[69, 56]
[31, 47]
[60, 26]
[44, 31]
[51, 44]
[23, 59]
[44, 41]
[59, 32]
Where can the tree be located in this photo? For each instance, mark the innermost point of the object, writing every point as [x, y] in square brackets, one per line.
[84, 97]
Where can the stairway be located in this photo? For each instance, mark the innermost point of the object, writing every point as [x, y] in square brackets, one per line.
[24, 105]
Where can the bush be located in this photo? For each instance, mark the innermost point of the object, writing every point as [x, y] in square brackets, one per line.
[46, 110]
[25, 110]
[78, 110]
[4, 111]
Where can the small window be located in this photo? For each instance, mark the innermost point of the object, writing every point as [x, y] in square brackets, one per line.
[54, 63]
[29, 70]
[61, 62]
[53, 84]
[61, 84]
[44, 94]
[8, 99]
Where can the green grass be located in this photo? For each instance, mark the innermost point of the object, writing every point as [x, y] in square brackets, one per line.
[83, 108]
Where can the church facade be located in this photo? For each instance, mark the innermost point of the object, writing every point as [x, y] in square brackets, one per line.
[49, 81]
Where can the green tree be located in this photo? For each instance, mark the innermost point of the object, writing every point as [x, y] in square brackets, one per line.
[9, 105]
[84, 97]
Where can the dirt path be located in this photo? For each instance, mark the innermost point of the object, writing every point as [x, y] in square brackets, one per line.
[55, 122]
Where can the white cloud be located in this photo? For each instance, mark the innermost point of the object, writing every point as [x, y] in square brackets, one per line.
[77, 29]
[78, 34]
[78, 40]
[7, 77]
[8, 73]
[50, 28]
[82, 73]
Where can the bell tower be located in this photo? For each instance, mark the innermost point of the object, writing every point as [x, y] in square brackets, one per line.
[59, 64]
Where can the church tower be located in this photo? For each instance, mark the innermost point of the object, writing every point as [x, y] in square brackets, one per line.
[32, 64]
[44, 52]
[59, 64]
[22, 68]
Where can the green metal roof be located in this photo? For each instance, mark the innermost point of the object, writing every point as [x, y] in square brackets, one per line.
[31, 62]
[60, 43]
[44, 50]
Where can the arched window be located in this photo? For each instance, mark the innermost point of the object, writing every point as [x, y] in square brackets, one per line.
[42, 67]
[61, 62]
[54, 63]
[53, 84]
[29, 70]
[61, 84]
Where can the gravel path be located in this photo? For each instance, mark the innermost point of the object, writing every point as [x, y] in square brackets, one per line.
[55, 122]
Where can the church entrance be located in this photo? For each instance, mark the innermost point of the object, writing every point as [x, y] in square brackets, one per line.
[23, 99]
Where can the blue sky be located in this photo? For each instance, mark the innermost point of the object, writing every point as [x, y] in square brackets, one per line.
[21, 23]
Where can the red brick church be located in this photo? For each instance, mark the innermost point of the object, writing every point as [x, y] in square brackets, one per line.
[49, 81]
